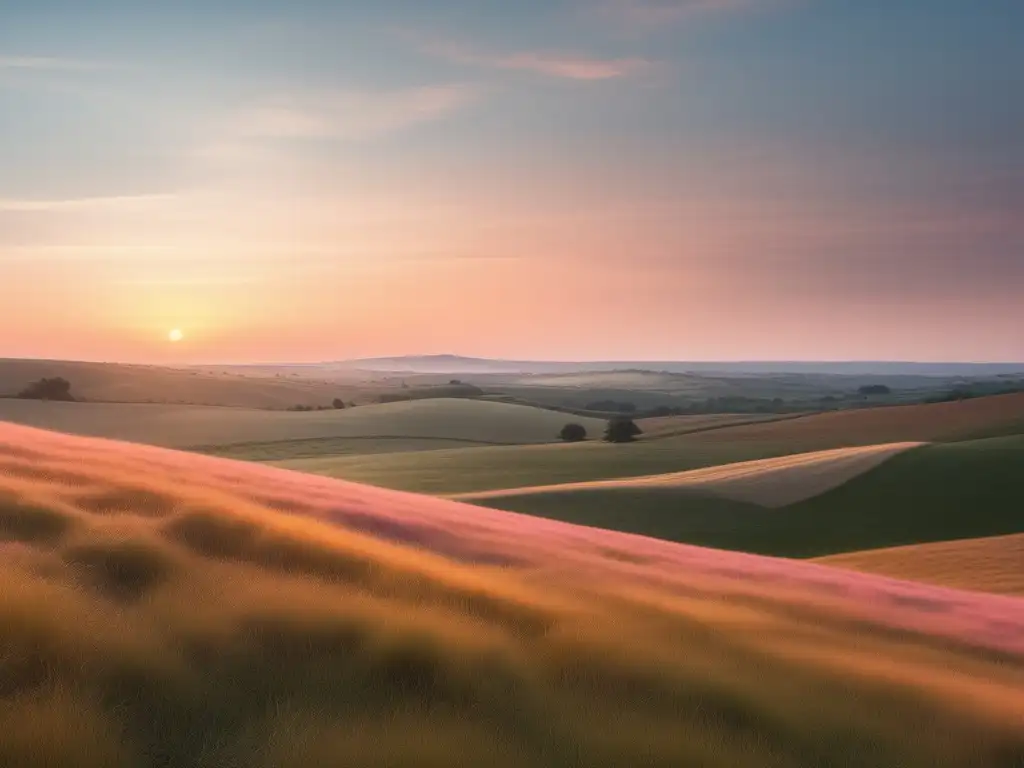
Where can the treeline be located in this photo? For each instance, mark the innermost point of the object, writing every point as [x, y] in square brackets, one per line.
[971, 391]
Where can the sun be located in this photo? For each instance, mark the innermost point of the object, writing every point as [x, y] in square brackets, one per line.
[176, 335]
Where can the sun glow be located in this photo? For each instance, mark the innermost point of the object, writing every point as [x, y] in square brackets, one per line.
[176, 335]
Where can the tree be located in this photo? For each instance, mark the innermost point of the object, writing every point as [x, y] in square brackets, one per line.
[573, 433]
[621, 431]
[338, 403]
[48, 389]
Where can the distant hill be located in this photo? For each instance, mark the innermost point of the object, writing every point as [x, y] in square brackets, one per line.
[125, 383]
[458, 364]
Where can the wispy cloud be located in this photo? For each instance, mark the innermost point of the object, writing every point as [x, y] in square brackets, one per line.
[569, 66]
[652, 13]
[49, 64]
[348, 115]
[14, 205]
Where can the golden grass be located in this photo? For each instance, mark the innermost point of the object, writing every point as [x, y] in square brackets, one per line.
[992, 564]
[207, 613]
[775, 482]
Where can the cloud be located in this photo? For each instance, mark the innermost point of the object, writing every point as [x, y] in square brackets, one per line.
[652, 13]
[11, 205]
[569, 66]
[49, 64]
[347, 115]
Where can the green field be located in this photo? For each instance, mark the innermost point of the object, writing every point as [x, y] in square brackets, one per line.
[933, 493]
[248, 433]
[483, 469]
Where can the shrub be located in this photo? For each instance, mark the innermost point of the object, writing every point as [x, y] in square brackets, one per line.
[621, 431]
[338, 403]
[48, 389]
[573, 433]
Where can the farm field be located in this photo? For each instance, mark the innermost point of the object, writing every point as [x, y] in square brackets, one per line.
[162, 608]
[413, 425]
[926, 494]
[121, 383]
[994, 564]
[486, 469]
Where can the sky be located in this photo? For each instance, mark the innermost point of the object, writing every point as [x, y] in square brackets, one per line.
[541, 179]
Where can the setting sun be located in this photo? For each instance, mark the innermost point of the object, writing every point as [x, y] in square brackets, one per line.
[176, 335]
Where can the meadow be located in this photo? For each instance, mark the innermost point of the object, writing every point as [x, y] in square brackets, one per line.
[169, 609]
[475, 470]
[262, 434]
[932, 493]
[124, 383]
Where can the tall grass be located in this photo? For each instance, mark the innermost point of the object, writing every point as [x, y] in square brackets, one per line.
[194, 626]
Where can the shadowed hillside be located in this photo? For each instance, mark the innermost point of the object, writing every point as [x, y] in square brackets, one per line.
[165, 609]
[931, 493]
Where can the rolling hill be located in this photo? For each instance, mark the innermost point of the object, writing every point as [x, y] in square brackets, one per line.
[167, 609]
[122, 383]
[477, 470]
[802, 506]
[411, 425]
[994, 564]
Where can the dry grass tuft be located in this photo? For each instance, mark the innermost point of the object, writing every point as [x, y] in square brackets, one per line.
[31, 523]
[123, 569]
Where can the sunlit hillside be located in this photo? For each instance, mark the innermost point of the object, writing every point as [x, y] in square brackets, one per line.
[166, 609]
[993, 564]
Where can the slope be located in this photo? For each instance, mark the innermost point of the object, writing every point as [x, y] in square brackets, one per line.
[170, 609]
[994, 564]
[477, 470]
[122, 383]
[281, 434]
[932, 493]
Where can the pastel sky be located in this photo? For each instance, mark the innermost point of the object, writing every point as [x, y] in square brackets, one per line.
[547, 179]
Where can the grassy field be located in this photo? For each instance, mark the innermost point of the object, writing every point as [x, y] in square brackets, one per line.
[164, 609]
[772, 483]
[933, 493]
[485, 469]
[114, 382]
[994, 564]
[413, 425]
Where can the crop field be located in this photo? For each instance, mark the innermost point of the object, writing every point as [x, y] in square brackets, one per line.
[486, 469]
[926, 494]
[160, 608]
[993, 564]
[412, 425]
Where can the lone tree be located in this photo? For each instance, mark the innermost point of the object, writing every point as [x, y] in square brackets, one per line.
[621, 431]
[338, 403]
[573, 433]
[48, 389]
